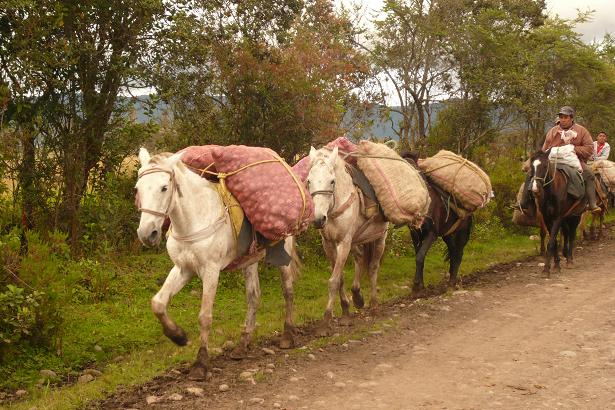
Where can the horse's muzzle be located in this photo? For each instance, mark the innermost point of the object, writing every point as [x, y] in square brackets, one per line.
[320, 221]
[150, 239]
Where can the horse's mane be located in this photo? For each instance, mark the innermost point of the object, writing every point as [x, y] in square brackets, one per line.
[412, 157]
[159, 159]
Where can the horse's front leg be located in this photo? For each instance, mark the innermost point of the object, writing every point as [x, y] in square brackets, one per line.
[377, 250]
[210, 278]
[253, 297]
[552, 248]
[335, 282]
[288, 276]
[175, 281]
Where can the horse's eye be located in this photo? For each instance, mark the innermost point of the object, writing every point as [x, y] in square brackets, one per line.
[307, 183]
[333, 183]
[164, 189]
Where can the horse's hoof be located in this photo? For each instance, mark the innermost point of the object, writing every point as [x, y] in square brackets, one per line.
[239, 352]
[345, 320]
[323, 330]
[418, 291]
[357, 299]
[198, 372]
[287, 341]
[178, 337]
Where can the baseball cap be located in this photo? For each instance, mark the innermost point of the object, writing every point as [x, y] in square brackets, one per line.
[566, 110]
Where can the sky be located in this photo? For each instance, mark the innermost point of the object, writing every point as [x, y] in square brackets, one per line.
[603, 18]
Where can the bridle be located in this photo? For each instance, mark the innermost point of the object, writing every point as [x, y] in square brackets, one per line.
[327, 192]
[333, 212]
[544, 181]
[195, 236]
[174, 189]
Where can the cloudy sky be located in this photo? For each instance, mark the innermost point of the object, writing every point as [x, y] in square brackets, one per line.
[603, 17]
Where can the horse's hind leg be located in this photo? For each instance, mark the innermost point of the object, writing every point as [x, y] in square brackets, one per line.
[253, 295]
[210, 285]
[456, 244]
[174, 282]
[375, 258]
[422, 242]
[360, 266]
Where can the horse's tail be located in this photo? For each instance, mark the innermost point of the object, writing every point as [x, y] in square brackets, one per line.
[466, 227]
[295, 261]
[369, 249]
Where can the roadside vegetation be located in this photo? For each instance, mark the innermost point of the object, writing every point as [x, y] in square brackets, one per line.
[75, 283]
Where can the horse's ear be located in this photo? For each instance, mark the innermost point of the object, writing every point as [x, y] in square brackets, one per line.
[144, 156]
[174, 159]
[313, 153]
[333, 157]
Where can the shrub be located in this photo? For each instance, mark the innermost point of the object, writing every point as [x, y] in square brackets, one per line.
[17, 313]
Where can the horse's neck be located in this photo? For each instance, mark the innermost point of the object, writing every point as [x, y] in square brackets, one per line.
[343, 182]
[197, 203]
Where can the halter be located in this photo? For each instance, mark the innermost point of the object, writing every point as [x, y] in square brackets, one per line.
[334, 213]
[171, 173]
[195, 236]
[543, 179]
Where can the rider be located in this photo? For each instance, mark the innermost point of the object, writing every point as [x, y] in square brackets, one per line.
[602, 148]
[569, 132]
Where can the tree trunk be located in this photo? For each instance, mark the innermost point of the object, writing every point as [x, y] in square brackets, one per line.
[28, 190]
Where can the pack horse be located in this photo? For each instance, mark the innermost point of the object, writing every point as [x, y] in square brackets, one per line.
[201, 243]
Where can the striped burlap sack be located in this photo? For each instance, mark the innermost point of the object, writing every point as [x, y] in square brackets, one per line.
[520, 218]
[400, 189]
[606, 169]
[469, 185]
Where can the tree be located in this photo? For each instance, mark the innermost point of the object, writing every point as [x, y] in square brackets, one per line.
[283, 86]
[408, 50]
[66, 62]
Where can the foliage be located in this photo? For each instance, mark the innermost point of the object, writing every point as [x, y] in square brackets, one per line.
[18, 315]
[285, 88]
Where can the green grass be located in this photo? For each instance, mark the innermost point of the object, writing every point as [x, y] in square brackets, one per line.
[134, 349]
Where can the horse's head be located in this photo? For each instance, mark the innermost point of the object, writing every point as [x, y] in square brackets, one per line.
[539, 169]
[155, 189]
[321, 183]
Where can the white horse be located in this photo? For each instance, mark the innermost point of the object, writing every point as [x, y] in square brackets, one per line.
[202, 243]
[343, 228]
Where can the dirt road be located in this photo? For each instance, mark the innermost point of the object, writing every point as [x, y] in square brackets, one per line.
[512, 339]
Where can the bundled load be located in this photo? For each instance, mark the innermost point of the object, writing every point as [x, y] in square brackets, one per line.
[465, 181]
[273, 198]
[565, 155]
[198, 159]
[520, 218]
[400, 189]
[606, 169]
[345, 148]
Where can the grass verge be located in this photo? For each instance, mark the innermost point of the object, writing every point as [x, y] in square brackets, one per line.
[120, 337]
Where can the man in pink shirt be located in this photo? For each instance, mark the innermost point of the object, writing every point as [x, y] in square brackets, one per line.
[569, 132]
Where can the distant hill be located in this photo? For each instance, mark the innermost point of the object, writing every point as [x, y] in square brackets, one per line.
[381, 127]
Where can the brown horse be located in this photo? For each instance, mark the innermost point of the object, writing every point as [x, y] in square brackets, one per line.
[555, 208]
[441, 221]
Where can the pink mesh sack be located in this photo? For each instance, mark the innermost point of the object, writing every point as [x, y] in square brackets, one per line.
[273, 198]
[198, 159]
[344, 146]
[302, 168]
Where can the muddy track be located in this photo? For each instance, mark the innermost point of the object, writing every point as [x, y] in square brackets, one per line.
[510, 338]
